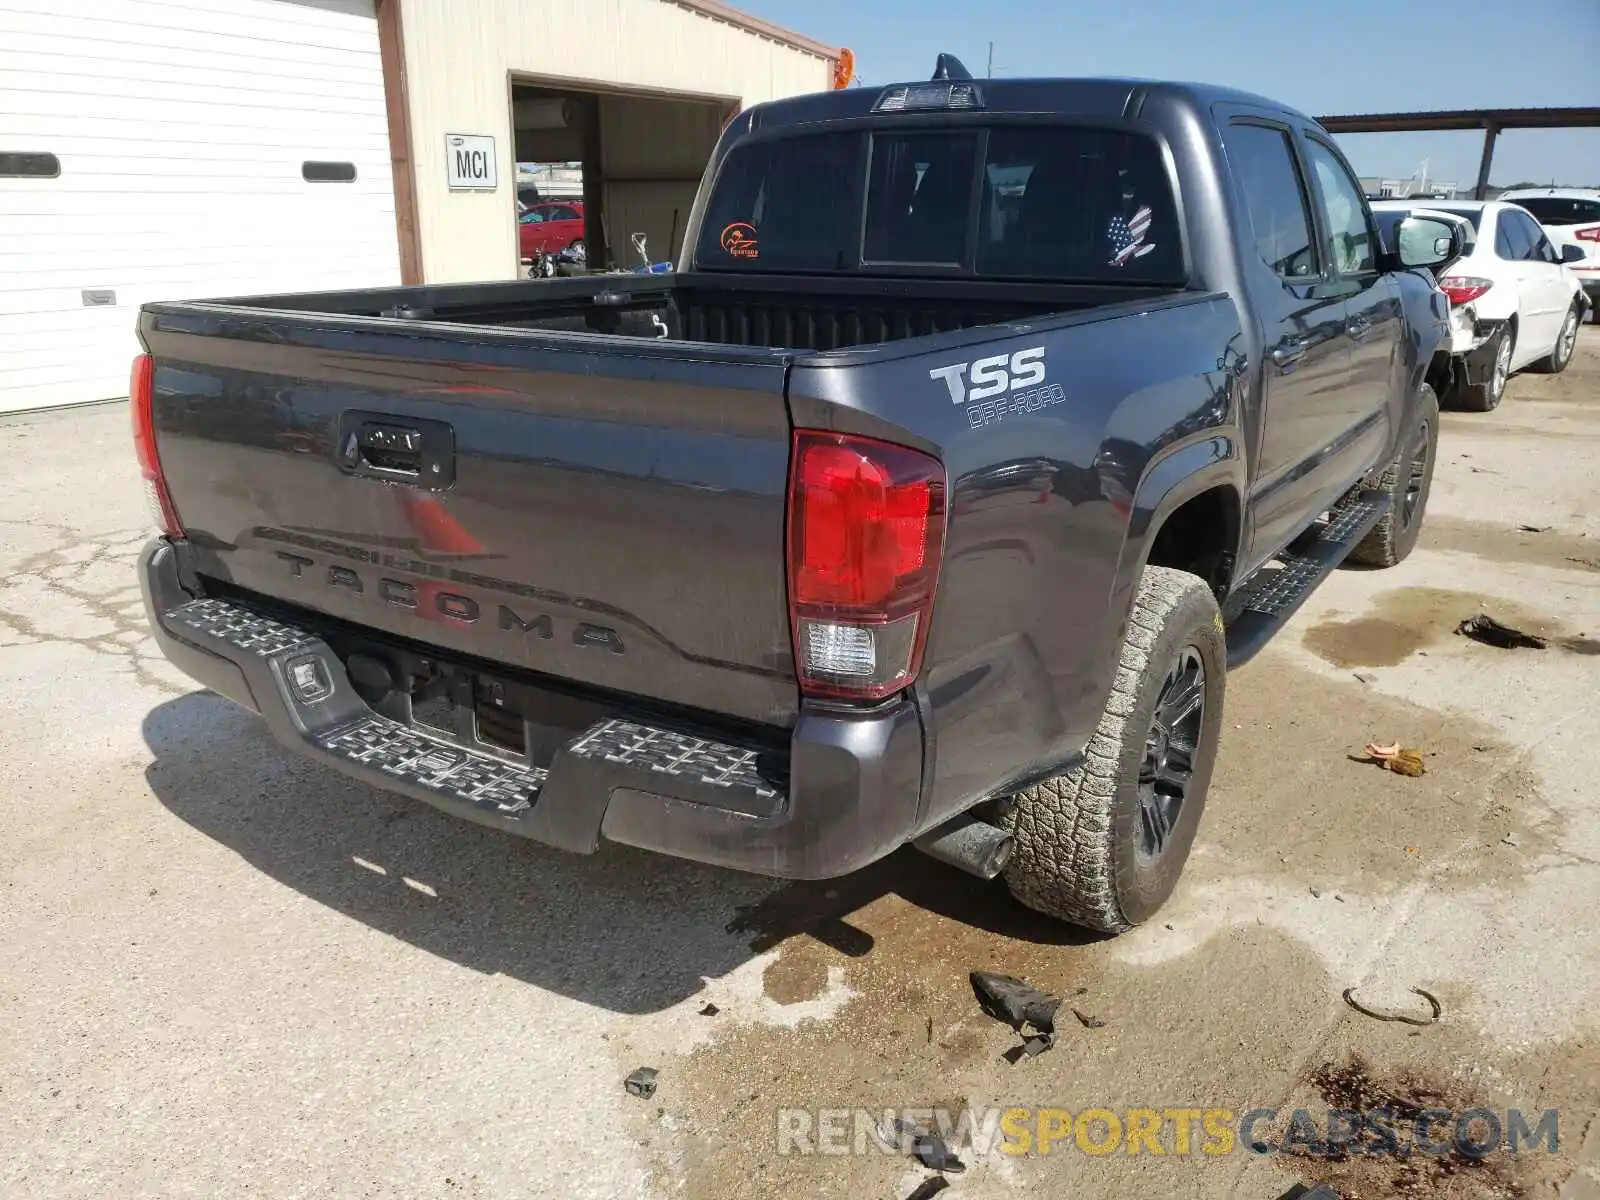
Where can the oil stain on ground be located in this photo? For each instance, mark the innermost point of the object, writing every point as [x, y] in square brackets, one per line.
[1403, 621]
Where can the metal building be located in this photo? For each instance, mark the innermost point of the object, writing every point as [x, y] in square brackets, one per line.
[163, 149]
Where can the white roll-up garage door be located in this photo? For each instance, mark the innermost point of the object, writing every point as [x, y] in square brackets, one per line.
[178, 149]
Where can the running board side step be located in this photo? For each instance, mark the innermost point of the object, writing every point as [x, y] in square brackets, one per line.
[1277, 590]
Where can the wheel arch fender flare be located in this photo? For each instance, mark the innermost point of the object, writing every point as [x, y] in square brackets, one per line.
[1178, 475]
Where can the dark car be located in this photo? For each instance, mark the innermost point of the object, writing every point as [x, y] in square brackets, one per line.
[986, 427]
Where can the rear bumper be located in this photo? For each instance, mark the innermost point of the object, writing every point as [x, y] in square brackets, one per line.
[848, 794]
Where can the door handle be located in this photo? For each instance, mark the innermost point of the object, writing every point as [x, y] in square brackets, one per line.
[418, 452]
[1288, 352]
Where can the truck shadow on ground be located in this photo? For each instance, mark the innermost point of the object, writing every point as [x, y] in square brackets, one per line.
[624, 930]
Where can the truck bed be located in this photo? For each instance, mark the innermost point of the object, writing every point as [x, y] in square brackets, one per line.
[793, 313]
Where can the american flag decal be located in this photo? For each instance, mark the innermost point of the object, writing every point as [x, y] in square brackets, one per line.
[1127, 237]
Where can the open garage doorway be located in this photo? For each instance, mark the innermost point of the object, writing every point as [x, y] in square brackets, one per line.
[602, 168]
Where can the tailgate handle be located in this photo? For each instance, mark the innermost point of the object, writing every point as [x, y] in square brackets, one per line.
[421, 453]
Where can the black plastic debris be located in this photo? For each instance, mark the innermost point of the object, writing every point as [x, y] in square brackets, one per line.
[1008, 999]
[1318, 1191]
[928, 1147]
[1485, 629]
[1087, 1021]
[642, 1083]
[931, 1150]
[1020, 1005]
[710, 1010]
[929, 1188]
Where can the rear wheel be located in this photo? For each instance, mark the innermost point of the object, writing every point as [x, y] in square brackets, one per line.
[1408, 480]
[1485, 396]
[1566, 342]
[1102, 844]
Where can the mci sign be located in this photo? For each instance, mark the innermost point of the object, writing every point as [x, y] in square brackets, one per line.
[469, 161]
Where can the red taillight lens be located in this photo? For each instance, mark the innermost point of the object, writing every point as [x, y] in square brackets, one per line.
[866, 537]
[1462, 288]
[141, 405]
[1589, 233]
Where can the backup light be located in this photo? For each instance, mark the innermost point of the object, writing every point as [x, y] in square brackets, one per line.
[866, 538]
[921, 97]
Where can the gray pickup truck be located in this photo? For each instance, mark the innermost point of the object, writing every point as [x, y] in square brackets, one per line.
[985, 425]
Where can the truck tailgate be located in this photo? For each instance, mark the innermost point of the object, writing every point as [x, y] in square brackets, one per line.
[607, 511]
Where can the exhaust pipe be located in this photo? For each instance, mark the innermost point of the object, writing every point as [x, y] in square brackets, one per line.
[975, 846]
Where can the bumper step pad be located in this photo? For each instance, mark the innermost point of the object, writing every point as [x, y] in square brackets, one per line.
[1275, 592]
[339, 728]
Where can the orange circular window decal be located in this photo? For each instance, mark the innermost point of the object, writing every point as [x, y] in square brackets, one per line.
[739, 240]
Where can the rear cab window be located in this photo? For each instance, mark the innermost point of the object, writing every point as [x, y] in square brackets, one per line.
[1025, 201]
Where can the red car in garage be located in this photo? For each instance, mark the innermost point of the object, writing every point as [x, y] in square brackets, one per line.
[551, 226]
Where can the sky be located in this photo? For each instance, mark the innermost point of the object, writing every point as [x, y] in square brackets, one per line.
[1334, 56]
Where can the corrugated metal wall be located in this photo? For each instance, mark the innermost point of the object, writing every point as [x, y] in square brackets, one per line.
[458, 62]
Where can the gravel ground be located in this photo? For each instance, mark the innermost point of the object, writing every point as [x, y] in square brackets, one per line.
[226, 971]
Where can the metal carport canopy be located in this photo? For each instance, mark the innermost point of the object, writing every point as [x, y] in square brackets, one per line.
[1490, 120]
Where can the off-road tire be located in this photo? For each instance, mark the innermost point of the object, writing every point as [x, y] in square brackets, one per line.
[1486, 396]
[1075, 834]
[1394, 537]
[1561, 354]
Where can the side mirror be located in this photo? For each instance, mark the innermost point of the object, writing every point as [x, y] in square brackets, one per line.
[1426, 242]
[1571, 254]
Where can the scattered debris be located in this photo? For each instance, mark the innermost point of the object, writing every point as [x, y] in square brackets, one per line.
[1484, 628]
[1433, 1003]
[710, 1010]
[1315, 1191]
[1510, 839]
[929, 1188]
[1087, 1021]
[931, 1150]
[927, 1146]
[1402, 760]
[642, 1083]
[1007, 998]
[1315, 894]
[1338, 897]
[1534, 528]
[1366, 677]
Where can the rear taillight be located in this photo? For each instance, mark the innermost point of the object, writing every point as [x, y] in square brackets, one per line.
[141, 404]
[1589, 233]
[1462, 288]
[866, 537]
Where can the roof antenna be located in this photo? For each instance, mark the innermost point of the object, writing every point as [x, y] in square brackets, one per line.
[950, 67]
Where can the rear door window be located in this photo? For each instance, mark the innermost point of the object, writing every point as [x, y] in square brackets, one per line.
[1263, 162]
[1511, 240]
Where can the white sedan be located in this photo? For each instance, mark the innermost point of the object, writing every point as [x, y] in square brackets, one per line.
[1526, 305]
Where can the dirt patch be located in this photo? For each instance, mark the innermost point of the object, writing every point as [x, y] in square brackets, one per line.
[1405, 621]
[1286, 792]
[795, 978]
[1508, 543]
